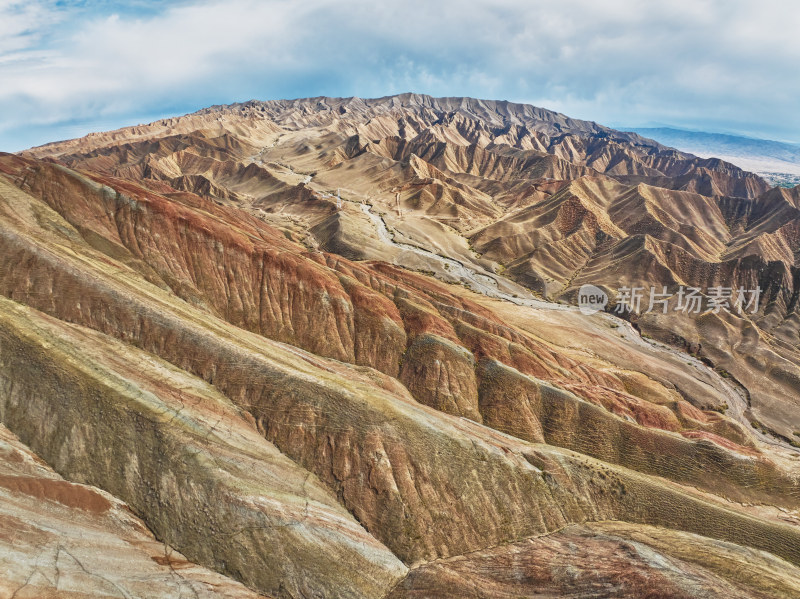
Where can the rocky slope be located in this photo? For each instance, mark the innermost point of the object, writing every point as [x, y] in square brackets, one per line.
[59, 538]
[194, 324]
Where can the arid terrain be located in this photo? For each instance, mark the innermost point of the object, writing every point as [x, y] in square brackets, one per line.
[331, 348]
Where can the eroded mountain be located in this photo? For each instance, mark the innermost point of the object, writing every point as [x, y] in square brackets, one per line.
[325, 347]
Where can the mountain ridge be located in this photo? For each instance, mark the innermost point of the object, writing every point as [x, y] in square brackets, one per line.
[446, 104]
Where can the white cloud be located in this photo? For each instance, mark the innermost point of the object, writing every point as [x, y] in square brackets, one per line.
[707, 63]
[22, 23]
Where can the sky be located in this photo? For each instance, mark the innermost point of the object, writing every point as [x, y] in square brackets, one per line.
[71, 67]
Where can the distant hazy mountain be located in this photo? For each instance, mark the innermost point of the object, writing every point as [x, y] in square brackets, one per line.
[776, 161]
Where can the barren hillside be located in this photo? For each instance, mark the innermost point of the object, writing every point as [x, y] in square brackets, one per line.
[330, 348]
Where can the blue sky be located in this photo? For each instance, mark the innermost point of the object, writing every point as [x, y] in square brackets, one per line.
[71, 67]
